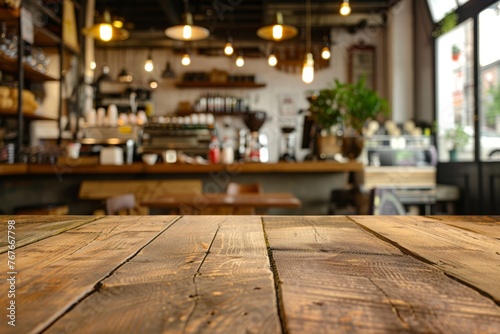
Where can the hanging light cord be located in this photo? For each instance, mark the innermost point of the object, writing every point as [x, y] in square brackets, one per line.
[308, 25]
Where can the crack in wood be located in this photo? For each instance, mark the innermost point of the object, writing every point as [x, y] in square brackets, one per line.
[277, 282]
[98, 286]
[195, 296]
[394, 308]
[424, 260]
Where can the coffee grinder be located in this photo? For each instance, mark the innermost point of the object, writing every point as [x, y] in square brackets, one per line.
[288, 144]
[257, 144]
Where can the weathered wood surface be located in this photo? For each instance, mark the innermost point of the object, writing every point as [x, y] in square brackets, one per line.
[204, 274]
[337, 278]
[30, 229]
[55, 273]
[464, 254]
[485, 225]
[251, 274]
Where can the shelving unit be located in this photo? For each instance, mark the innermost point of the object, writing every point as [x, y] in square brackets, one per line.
[45, 36]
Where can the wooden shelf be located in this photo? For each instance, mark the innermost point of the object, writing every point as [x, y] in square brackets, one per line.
[15, 169]
[207, 84]
[10, 65]
[10, 112]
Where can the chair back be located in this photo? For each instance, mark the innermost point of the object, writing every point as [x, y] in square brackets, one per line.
[385, 202]
[120, 204]
[234, 188]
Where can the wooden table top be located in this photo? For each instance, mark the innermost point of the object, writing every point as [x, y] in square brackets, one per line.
[264, 200]
[253, 274]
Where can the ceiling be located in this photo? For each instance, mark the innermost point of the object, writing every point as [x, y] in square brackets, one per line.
[148, 19]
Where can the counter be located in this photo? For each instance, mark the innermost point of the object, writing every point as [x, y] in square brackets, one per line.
[141, 168]
[253, 274]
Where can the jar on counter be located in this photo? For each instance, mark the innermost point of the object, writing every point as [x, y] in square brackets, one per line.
[227, 152]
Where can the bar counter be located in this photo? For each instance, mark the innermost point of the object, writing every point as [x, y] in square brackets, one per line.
[141, 168]
[251, 274]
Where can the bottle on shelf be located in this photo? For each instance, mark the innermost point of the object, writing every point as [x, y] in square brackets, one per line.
[214, 151]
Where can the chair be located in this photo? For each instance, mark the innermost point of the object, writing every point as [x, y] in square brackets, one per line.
[121, 204]
[234, 188]
[385, 202]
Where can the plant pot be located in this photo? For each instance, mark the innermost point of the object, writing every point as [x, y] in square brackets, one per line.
[453, 155]
[455, 56]
[328, 146]
[352, 146]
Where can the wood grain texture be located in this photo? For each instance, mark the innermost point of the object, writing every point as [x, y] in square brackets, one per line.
[202, 275]
[337, 278]
[55, 273]
[143, 189]
[466, 255]
[484, 225]
[30, 229]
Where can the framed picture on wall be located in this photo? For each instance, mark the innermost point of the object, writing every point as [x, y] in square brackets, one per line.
[361, 62]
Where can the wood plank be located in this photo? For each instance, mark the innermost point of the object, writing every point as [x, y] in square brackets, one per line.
[335, 277]
[30, 229]
[203, 275]
[399, 176]
[143, 189]
[55, 273]
[468, 256]
[484, 225]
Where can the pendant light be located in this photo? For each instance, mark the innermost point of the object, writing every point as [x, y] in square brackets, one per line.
[149, 65]
[186, 59]
[272, 60]
[228, 47]
[325, 52]
[125, 75]
[187, 31]
[168, 73]
[277, 31]
[308, 66]
[105, 31]
[153, 83]
[240, 61]
[345, 8]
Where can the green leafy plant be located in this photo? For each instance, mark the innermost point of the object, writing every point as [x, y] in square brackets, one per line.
[324, 107]
[448, 23]
[455, 49]
[457, 137]
[360, 104]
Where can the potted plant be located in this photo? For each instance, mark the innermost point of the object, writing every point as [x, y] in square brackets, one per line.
[326, 113]
[359, 104]
[455, 52]
[457, 138]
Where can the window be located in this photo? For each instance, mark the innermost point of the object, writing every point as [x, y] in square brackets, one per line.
[455, 93]
[489, 71]
[439, 8]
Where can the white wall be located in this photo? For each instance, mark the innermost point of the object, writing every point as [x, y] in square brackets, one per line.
[167, 96]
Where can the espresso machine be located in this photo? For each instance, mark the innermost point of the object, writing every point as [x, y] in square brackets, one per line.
[257, 144]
